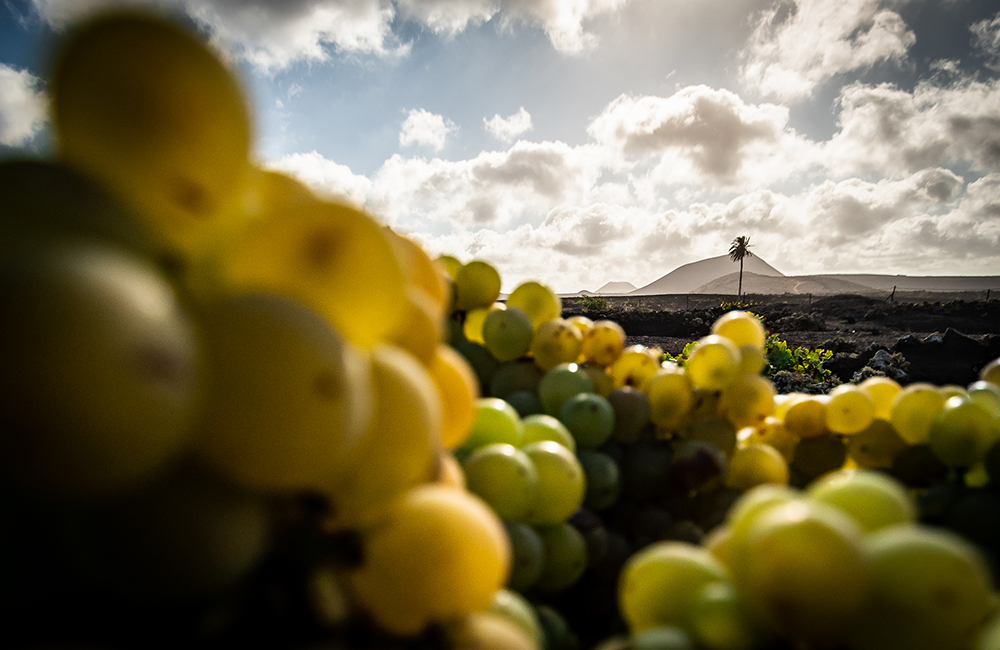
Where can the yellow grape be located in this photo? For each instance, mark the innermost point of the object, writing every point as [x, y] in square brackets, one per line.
[914, 409]
[489, 630]
[477, 284]
[459, 389]
[850, 410]
[882, 390]
[539, 302]
[555, 341]
[713, 362]
[875, 447]
[603, 343]
[805, 416]
[603, 382]
[635, 366]
[872, 499]
[400, 447]
[771, 432]
[422, 328]
[671, 397]
[330, 256]
[747, 400]
[742, 328]
[148, 109]
[474, 320]
[755, 464]
[450, 472]
[752, 360]
[581, 323]
[437, 553]
[991, 372]
[422, 271]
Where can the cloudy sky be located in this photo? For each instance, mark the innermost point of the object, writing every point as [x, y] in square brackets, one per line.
[579, 142]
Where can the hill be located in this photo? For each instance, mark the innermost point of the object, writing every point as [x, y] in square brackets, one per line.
[690, 277]
[799, 284]
[615, 287]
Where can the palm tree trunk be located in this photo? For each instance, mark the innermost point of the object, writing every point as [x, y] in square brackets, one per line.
[739, 291]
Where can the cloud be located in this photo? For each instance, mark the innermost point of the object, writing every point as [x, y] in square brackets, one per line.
[274, 34]
[506, 129]
[426, 129]
[797, 45]
[23, 106]
[703, 134]
[884, 129]
[986, 39]
[325, 176]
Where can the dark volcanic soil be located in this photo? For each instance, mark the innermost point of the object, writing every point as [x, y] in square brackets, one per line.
[944, 341]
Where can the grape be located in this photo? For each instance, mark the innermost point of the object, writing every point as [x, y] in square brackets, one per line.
[747, 400]
[952, 390]
[849, 410]
[560, 383]
[930, 590]
[670, 395]
[422, 328]
[804, 570]
[991, 372]
[876, 446]
[146, 108]
[962, 431]
[540, 427]
[495, 421]
[753, 361]
[883, 391]
[755, 464]
[316, 252]
[437, 553]
[632, 413]
[400, 446]
[583, 324]
[450, 264]
[987, 395]
[527, 555]
[772, 432]
[742, 516]
[100, 378]
[662, 637]
[558, 635]
[477, 284]
[720, 619]
[482, 362]
[603, 479]
[659, 584]
[713, 429]
[816, 456]
[565, 557]
[603, 343]
[489, 631]
[512, 376]
[695, 463]
[507, 333]
[873, 499]
[561, 483]
[645, 468]
[504, 477]
[458, 389]
[472, 327]
[516, 608]
[914, 409]
[540, 303]
[450, 472]
[635, 366]
[918, 466]
[805, 416]
[555, 342]
[740, 327]
[603, 382]
[590, 418]
[525, 402]
[421, 271]
[287, 400]
[713, 362]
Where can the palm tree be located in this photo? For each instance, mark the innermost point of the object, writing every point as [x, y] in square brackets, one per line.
[739, 249]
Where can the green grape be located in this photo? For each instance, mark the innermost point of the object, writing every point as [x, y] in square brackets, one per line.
[515, 375]
[603, 382]
[558, 635]
[876, 446]
[753, 361]
[670, 396]
[805, 416]
[482, 362]
[952, 390]
[472, 327]
[561, 483]
[635, 366]
[632, 413]
[450, 264]
[645, 468]
[747, 400]
[540, 303]
[150, 111]
[754, 464]
[662, 637]
[603, 479]
[477, 284]
[659, 584]
[991, 372]
[527, 555]
[914, 409]
[488, 630]
[100, 382]
[873, 499]
[603, 343]
[771, 432]
[987, 395]
[516, 608]
[540, 427]
[804, 570]
[740, 327]
[988, 637]
[525, 402]
[565, 557]
[590, 418]
[720, 619]
[713, 429]
[930, 590]
[504, 477]
[883, 391]
[816, 456]
[850, 410]
[507, 333]
[713, 362]
[918, 466]
[286, 399]
[561, 383]
[962, 431]
[744, 512]
[495, 421]
[556, 341]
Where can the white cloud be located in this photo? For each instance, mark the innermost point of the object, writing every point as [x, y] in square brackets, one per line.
[325, 177]
[986, 39]
[798, 44]
[884, 129]
[507, 128]
[563, 20]
[23, 106]
[427, 129]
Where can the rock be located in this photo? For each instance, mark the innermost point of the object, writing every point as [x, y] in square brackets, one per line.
[949, 358]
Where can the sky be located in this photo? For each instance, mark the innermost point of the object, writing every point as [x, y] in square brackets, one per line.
[580, 142]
